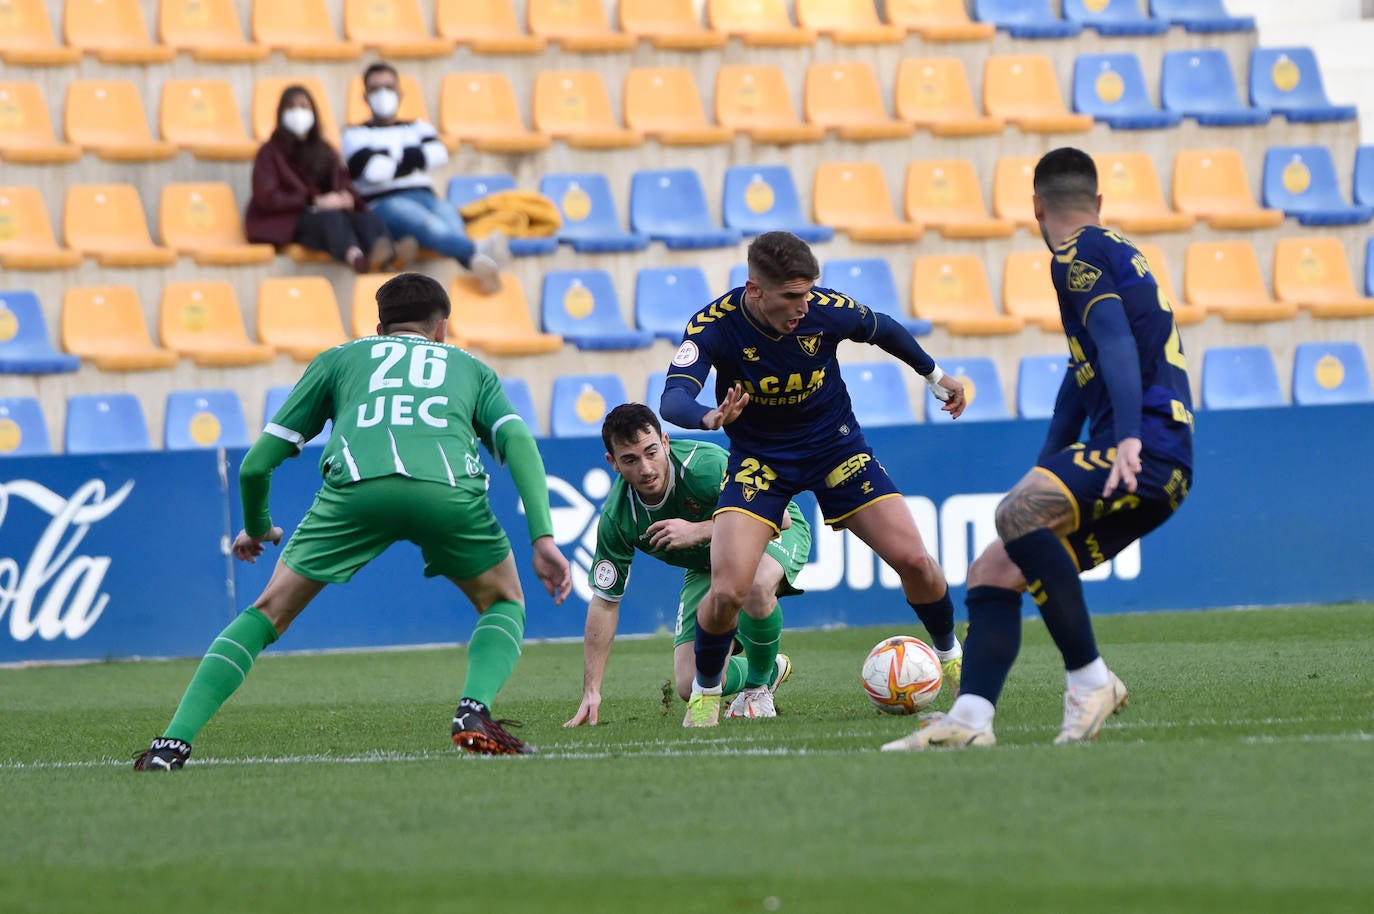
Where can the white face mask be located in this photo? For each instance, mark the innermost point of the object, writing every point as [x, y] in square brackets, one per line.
[298, 120]
[383, 102]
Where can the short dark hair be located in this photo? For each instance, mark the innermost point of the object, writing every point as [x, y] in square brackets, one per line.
[624, 423]
[1066, 177]
[780, 257]
[411, 298]
[380, 66]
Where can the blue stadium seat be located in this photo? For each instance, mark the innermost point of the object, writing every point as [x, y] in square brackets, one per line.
[1369, 267]
[878, 392]
[463, 189]
[518, 392]
[667, 297]
[1111, 87]
[763, 198]
[1201, 15]
[1330, 373]
[653, 393]
[581, 401]
[23, 430]
[738, 274]
[1239, 377]
[105, 424]
[204, 418]
[1301, 181]
[1364, 176]
[582, 306]
[1024, 18]
[1199, 84]
[869, 281]
[982, 386]
[25, 347]
[1289, 82]
[1037, 385]
[1116, 17]
[669, 205]
[276, 396]
[590, 221]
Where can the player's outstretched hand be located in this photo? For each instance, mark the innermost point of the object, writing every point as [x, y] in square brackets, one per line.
[1124, 468]
[734, 403]
[247, 548]
[587, 712]
[676, 533]
[950, 392]
[552, 568]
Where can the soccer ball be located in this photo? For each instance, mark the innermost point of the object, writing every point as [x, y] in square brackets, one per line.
[901, 675]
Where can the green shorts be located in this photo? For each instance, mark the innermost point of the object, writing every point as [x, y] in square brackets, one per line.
[350, 526]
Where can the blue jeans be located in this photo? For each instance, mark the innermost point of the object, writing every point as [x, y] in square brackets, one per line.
[433, 222]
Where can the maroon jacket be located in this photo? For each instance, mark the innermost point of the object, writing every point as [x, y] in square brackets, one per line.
[281, 193]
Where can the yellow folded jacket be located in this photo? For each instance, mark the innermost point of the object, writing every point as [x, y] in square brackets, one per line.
[517, 213]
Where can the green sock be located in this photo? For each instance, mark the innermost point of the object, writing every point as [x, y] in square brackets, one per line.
[761, 638]
[493, 650]
[735, 672]
[221, 672]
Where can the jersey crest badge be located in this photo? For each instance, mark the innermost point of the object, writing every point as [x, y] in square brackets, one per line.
[1082, 277]
[749, 493]
[810, 344]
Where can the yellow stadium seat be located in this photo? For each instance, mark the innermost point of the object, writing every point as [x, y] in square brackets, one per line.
[844, 96]
[209, 30]
[301, 29]
[485, 27]
[299, 315]
[847, 21]
[113, 30]
[1212, 184]
[576, 25]
[1028, 292]
[202, 116]
[1013, 182]
[27, 39]
[1224, 278]
[663, 103]
[1164, 277]
[393, 28]
[944, 194]
[267, 92]
[853, 197]
[1132, 197]
[1313, 273]
[26, 237]
[938, 20]
[413, 105]
[26, 133]
[1024, 90]
[105, 325]
[499, 323]
[669, 25]
[480, 109]
[952, 292]
[202, 221]
[934, 93]
[574, 106]
[755, 100]
[203, 321]
[363, 308]
[107, 117]
[761, 23]
[106, 221]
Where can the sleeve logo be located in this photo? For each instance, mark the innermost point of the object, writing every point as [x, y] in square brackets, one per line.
[686, 354]
[604, 574]
[1082, 277]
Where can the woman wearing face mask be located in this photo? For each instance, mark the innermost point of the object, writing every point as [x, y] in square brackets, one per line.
[302, 193]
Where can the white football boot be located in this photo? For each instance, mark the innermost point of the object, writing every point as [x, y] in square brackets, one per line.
[938, 730]
[1085, 710]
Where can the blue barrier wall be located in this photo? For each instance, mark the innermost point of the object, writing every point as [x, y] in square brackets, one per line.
[125, 555]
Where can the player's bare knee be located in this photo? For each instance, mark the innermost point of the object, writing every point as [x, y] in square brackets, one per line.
[762, 597]
[916, 566]
[994, 568]
[684, 686]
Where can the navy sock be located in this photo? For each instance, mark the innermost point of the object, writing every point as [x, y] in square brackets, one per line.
[711, 653]
[938, 618]
[1053, 582]
[993, 640]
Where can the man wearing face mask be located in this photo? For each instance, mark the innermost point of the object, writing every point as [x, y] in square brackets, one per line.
[390, 161]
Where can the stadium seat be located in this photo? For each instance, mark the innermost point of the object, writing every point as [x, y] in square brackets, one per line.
[670, 25]
[204, 322]
[844, 96]
[669, 205]
[465, 189]
[1164, 278]
[26, 134]
[1313, 273]
[204, 418]
[1212, 184]
[272, 402]
[653, 396]
[583, 307]
[739, 274]
[580, 402]
[755, 100]
[499, 323]
[663, 103]
[23, 429]
[299, 315]
[1224, 277]
[393, 28]
[763, 198]
[302, 30]
[202, 221]
[1301, 181]
[951, 291]
[27, 241]
[1201, 15]
[105, 424]
[202, 116]
[1111, 87]
[1114, 17]
[1028, 292]
[591, 223]
[517, 391]
[412, 107]
[982, 391]
[1025, 18]
[267, 92]
[854, 198]
[1024, 90]
[847, 22]
[485, 27]
[1363, 184]
[878, 393]
[576, 25]
[938, 20]
[209, 30]
[1012, 187]
[362, 309]
[1289, 82]
[667, 297]
[869, 281]
[1239, 377]
[107, 117]
[106, 221]
[1037, 385]
[1132, 197]
[105, 325]
[25, 346]
[27, 39]
[112, 30]
[933, 93]
[762, 23]
[945, 195]
[574, 106]
[480, 109]
[1325, 373]
[1198, 83]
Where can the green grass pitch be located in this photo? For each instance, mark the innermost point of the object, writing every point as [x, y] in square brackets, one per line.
[1239, 778]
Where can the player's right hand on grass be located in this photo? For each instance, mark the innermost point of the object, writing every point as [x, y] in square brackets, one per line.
[734, 403]
[587, 711]
[552, 568]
